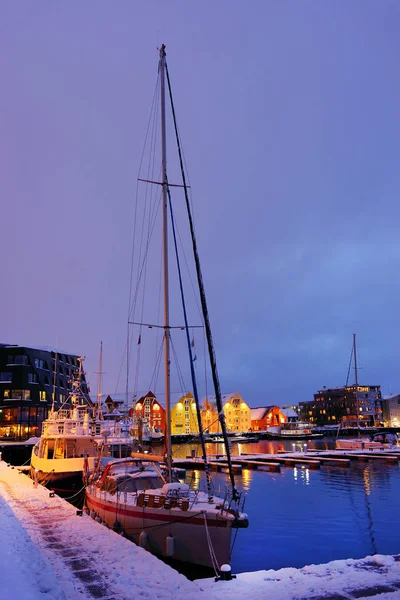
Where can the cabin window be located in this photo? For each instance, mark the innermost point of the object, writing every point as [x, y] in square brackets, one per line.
[49, 449]
[130, 484]
[59, 453]
[71, 449]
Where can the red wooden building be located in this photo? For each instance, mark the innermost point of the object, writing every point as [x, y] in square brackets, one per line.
[151, 412]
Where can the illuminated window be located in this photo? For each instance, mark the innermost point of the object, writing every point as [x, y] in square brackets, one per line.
[42, 396]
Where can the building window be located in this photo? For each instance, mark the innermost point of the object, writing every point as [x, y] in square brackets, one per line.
[6, 394]
[40, 364]
[20, 395]
[18, 359]
[42, 396]
[32, 378]
[6, 377]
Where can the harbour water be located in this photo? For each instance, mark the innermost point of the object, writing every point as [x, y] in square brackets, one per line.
[300, 517]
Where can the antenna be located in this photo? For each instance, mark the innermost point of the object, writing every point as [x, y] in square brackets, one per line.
[99, 374]
[54, 382]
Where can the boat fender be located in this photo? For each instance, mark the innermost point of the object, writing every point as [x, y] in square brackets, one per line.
[86, 510]
[143, 539]
[93, 514]
[225, 573]
[117, 527]
[170, 546]
[98, 519]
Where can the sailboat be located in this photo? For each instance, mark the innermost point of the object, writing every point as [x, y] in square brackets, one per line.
[377, 440]
[136, 496]
[75, 437]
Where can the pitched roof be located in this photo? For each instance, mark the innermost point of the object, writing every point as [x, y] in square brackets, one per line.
[259, 413]
[289, 412]
[224, 397]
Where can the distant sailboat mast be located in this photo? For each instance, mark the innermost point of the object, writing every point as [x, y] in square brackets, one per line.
[356, 376]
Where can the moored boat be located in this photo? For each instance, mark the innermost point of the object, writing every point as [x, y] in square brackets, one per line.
[141, 497]
[74, 437]
[293, 431]
[376, 441]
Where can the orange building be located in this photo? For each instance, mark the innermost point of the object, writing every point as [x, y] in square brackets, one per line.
[266, 416]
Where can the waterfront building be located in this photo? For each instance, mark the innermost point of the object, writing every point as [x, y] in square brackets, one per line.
[294, 407]
[184, 416]
[391, 411]
[30, 380]
[332, 406]
[113, 406]
[237, 414]
[290, 413]
[150, 412]
[266, 416]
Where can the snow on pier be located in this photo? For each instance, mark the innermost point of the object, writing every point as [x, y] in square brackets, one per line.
[49, 552]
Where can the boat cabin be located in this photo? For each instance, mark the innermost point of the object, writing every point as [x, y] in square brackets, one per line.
[130, 476]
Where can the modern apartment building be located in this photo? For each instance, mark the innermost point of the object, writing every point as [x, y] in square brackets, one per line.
[30, 380]
[339, 405]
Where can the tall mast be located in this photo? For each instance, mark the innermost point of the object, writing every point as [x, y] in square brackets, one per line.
[165, 264]
[99, 381]
[356, 374]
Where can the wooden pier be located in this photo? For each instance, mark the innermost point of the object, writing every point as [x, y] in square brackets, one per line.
[311, 459]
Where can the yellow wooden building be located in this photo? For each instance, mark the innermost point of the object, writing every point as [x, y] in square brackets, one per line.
[237, 414]
[184, 417]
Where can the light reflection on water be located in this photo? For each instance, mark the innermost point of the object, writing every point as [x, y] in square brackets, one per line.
[302, 516]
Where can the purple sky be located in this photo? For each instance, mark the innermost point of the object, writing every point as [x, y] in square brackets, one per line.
[289, 114]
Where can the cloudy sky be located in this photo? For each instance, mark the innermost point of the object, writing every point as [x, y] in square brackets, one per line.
[289, 114]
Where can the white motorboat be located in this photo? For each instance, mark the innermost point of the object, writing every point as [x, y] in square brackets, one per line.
[75, 437]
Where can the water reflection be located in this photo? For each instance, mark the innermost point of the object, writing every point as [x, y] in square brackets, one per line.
[260, 447]
[246, 479]
[301, 475]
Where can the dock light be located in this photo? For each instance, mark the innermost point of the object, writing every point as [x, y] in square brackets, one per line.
[51, 495]
[79, 513]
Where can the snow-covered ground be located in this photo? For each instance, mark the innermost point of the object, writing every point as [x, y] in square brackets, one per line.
[47, 551]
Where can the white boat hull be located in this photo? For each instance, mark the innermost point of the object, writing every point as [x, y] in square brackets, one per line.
[188, 529]
[356, 444]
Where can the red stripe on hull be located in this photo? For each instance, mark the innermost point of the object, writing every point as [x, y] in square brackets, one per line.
[158, 514]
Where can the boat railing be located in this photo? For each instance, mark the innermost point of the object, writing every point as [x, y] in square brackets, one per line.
[67, 427]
